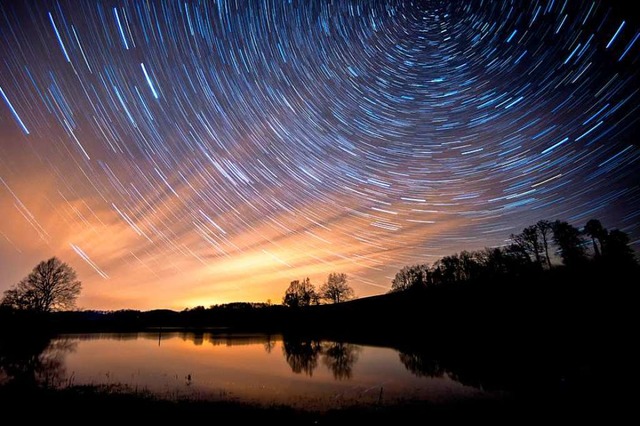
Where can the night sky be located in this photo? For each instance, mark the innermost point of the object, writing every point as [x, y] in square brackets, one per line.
[178, 153]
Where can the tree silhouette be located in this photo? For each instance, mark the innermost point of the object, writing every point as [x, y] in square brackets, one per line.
[524, 257]
[517, 260]
[569, 242]
[448, 270]
[545, 230]
[336, 289]
[596, 231]
[410, 277]
[470, 264]
[616, 248]
[51, 286]
[300, 293]
[530, 242]
[488, 263]
[492, 262]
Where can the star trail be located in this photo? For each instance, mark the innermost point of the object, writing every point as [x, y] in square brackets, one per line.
[195, 152]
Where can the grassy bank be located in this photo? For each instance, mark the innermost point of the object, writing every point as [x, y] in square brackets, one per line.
[113, 403]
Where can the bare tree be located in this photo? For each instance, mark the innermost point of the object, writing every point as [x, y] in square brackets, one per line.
[529, 241]
[545, 229]
[300, 293]
[336, 289]
[51, 286]
[596, 231]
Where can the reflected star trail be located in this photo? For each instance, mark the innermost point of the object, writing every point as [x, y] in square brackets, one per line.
[195, 152]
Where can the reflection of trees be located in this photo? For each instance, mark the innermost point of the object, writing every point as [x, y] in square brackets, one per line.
[198, 338]
[269, 343]
[487, 369]
[340, 358]
[301, 355]
[421, 365]
[51, 369]
[34, 361]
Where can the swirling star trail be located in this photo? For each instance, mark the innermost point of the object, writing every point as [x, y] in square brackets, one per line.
[195, 152]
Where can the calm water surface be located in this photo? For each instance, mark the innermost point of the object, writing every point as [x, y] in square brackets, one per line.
[254, 368]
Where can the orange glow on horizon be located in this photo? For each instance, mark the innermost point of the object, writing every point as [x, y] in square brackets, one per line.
[195, 268]
[190, 154]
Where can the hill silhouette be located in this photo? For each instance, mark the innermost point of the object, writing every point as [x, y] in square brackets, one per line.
[573, 301]
[500, 319]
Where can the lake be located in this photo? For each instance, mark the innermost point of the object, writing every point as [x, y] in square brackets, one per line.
[254, 368]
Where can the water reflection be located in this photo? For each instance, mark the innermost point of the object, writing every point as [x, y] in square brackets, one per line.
[39, 360]
[301, 355]
[34, 361]
[197, 338]
[340, 358]
[421, 364]
[269, 344]
[258, 367]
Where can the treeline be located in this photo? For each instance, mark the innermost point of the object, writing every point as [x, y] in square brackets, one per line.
[579, 278]
[301, 293]
[542, 246]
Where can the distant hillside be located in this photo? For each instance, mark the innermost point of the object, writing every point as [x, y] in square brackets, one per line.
[560, 302]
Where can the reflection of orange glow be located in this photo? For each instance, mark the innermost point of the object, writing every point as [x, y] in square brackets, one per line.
[158, 261]
[255, 368]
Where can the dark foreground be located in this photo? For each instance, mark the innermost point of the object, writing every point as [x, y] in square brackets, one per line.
[85, 404]
[558, 379]
[561, 343]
